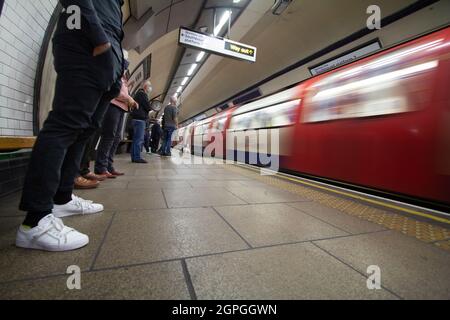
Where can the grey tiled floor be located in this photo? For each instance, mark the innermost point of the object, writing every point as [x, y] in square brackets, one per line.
[176, 230]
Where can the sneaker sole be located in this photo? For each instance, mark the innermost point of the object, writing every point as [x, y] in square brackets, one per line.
[75, 246]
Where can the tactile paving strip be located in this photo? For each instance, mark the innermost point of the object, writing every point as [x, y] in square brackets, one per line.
[422, 231]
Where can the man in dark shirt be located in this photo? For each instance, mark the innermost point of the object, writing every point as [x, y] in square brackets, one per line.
[89, 64]
[140, 118]
[170, 124]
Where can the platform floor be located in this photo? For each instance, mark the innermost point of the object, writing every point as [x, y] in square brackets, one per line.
[175, 230]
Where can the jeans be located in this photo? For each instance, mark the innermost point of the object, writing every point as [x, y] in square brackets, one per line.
[138, 139]
[168, 132]
[110, 139]
[89, 153]
[147, 141]
[78, 111]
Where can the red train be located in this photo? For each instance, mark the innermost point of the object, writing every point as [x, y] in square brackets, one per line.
[381, 123]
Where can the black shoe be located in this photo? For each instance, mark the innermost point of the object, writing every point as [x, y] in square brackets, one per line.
[140, 161]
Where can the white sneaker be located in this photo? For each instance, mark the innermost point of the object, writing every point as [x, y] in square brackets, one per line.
[77, 206]
[51, 235]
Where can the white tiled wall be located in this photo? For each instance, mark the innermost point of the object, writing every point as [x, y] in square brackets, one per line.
[22, 28]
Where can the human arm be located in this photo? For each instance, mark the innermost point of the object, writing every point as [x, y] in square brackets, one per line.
[125, 97]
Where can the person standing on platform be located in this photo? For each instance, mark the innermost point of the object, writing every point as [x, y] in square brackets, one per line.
[111, 131]
[170, 124]
[139, 119]
[89, 64]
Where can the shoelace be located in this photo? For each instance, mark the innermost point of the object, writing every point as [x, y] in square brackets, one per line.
[74, 197]
[49, 229]
[84, 205]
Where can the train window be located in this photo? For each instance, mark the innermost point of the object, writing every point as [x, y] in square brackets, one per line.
[395, 83]
[281, 115]
[206, 128]
[221, 124]
[199, 130]
[370, 93]
[276, 116]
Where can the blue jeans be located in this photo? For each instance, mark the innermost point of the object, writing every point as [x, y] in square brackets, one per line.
[167, 140]
[138, 139]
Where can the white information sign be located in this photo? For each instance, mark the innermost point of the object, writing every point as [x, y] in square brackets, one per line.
[217, 45]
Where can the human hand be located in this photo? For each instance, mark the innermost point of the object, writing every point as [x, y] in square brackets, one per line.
[101, 49]
[133, 105]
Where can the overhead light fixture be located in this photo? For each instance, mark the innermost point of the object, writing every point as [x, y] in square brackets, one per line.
[192, 69]
[279, 6]
[222, 22]
[200, 56]
[185, 81]
[236, 1]
[180, 88]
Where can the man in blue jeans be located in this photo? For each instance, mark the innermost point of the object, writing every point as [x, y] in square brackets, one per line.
[170, 120]
[139, 119]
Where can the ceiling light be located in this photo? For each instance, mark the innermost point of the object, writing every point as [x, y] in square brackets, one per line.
[236, 1]
[222, 22]
[192, 69]
[185, 81]
[180, 88]
[200, 56]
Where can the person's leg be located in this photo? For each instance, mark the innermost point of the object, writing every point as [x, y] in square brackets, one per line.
[168, 141]
[141, 136]
[109, 132]
[147, 140]
[73, 106]
[134, 144]
[117, 139]
[163, 142]
[72, 161]
[89, 147]
[138, 139]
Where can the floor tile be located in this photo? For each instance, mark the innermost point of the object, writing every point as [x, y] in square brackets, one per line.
[139, 199]
[412, 269]
[271, 224]
[291, 272]
[166, 234]
[163, 281]
[264, 195]
[201, 197]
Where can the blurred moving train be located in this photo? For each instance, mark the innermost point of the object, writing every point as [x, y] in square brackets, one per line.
[381, 123]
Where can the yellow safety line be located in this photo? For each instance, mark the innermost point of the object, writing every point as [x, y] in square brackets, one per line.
[391, 206]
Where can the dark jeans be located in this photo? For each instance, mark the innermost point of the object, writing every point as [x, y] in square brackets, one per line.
[89, 153]
[147, 140]
[168, 132]
[78, 111]
[155, 143]
[138, 139]
[110, 139]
